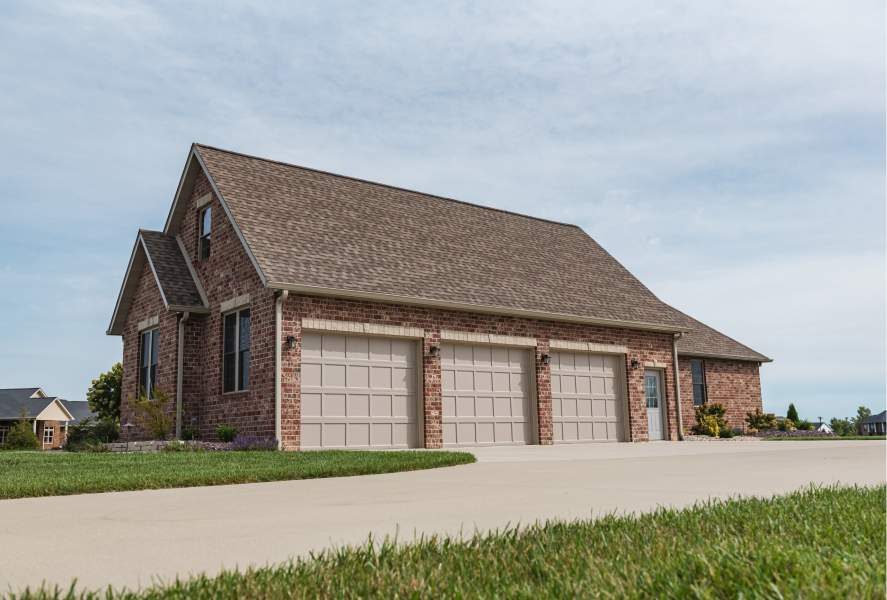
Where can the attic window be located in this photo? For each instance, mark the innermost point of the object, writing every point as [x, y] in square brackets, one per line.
[205, 230]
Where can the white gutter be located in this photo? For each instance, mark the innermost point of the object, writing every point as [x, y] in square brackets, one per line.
[677, 385]
[278, 332]
[182, 322]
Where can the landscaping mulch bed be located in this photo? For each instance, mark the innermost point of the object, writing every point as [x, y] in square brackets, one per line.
[775, 433]
[708, 438]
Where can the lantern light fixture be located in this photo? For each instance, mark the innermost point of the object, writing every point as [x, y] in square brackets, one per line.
[291, 341]
[434, 351]
[546, 359]
[635, 364]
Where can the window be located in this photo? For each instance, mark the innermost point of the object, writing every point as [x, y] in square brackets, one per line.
[148, 362]
[206, 223]
[236, 364]
[48, 435]
[698, 370]
[4, 432]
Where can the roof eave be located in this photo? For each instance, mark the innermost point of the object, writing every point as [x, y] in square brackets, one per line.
[116, 328]
[761, 359]
[465, 306]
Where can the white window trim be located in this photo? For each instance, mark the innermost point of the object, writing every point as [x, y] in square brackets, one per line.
[236, 347]
[50, 431]
[4, 433]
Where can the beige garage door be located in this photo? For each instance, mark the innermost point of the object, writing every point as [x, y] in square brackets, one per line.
[358, 392]
[486, 395]
[586, 397]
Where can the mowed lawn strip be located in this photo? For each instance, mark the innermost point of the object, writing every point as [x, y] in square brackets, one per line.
[870, 438]
[26, 475]
[814, 543]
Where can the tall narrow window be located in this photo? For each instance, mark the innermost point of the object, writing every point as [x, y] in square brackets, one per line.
[696, 367]
[48, 436]
[148, 362]
[4, 431]
[236, 364]
[206, 224]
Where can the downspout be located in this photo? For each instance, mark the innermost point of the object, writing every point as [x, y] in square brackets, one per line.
[677, 385]
[278, 349]
[182, 322]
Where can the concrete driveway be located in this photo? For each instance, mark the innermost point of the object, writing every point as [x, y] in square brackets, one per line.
[126, 538]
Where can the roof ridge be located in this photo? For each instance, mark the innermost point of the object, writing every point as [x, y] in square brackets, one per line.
[386, 185]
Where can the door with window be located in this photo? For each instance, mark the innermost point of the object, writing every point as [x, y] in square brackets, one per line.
[653, 392]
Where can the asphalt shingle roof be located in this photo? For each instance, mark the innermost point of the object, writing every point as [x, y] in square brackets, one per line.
[174, 276]
[12, 400]
[311, 228]
[878, 418]
[79, 409]
[705, 340]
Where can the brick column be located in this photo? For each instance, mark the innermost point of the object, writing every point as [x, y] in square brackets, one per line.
[637, 401]
[291, 377]
[543, 395]
[431, 390]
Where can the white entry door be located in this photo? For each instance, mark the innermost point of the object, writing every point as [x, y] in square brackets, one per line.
[358, 392]
[653, 389]
[485, 392]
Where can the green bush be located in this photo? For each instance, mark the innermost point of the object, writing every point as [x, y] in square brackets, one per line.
[191, 433]
[226, 433]
[89, 435]
[179, 446]
[727, 433]
[792, 415]
[805, 425]
[709, 419]
[785, 425]
[760, 420]
[153, 413]
[86, 445]
[105, 392]
[21, 435]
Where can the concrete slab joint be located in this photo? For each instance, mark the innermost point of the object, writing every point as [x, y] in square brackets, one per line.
[235, 303]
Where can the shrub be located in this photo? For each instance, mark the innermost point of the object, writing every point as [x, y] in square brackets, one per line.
[707, 412]
[105, 392]
[191, 433]
[785, 425]
[244, 442]
[86, 445]
[89, 435]
[708, 425]
[792, 415]
[760, 420]
[153, 414]
[727, 433]
[805, 425]
[21, 436]
[226, 433]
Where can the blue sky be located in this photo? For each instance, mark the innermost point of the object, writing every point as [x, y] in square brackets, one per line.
[731, 155]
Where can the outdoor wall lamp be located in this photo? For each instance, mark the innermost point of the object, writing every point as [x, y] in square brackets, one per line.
[546, 359]
[434, 351]
[635, 364]
[291, 341]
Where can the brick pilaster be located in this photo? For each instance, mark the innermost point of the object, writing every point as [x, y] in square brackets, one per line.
[543, 395]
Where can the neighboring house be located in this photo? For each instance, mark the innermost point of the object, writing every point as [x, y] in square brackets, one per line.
[821, 426]
[875, 424]
[333, 312]
[49, 415]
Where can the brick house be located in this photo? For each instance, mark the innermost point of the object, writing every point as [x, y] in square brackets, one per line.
[329, 311]
[875, 424]
[49, 415]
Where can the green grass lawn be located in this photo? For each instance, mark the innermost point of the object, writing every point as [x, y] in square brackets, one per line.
[25, 475]
[817, 439]
[814, 543]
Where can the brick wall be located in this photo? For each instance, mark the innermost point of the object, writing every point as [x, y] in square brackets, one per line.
[58, 439]
[734, 383]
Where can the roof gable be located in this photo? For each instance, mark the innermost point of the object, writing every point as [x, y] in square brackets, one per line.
[39, 407]
[178, 283]
[316, 232]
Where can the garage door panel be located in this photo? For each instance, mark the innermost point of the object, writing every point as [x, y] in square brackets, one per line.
[492, 403]
[586, 399]
[339, 407]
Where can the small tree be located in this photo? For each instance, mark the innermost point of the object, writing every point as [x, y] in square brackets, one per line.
[861, 415]
[152, 412]
[105, 393]
[792, 414]
[760, 420]
[841, 427]
[710, 419]
[21, 437]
